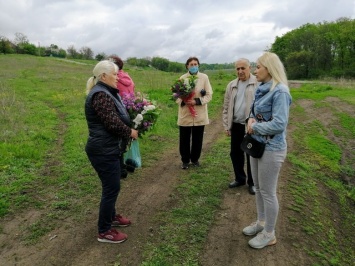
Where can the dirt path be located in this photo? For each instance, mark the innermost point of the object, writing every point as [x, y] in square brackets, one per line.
[226, 245]
[144, 195]
[142, 198]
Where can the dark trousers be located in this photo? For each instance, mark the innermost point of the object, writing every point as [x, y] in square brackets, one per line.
[238, 156]
[109, 171]
[190, 145]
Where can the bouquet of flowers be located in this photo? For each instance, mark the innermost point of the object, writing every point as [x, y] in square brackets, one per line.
[183, 89]
[142, 112]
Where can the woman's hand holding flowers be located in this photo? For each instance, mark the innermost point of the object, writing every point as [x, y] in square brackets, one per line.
[184, 89]
[142, 112]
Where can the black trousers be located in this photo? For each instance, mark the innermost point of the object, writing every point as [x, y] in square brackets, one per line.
[190, 145]
[238, 156]
[109, 171]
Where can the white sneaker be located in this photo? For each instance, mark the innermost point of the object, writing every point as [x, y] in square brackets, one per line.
[263, 239]
[253, 229]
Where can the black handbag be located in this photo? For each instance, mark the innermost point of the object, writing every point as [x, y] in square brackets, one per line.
[252, 147]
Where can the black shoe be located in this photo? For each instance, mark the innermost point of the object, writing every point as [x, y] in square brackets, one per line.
[185, 166]
[252, 190]
[196, 164]
[236, 184]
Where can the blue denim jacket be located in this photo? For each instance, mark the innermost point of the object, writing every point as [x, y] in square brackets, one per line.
[271, 110]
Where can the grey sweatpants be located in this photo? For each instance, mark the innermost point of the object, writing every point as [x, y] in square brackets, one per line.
[265, 172]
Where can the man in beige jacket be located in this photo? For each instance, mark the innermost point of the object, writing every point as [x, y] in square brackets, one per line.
[238, 99]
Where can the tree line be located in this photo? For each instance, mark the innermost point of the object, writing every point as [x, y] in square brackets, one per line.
[21, 45]
[318, 50]
[311, 51]
[164, 64]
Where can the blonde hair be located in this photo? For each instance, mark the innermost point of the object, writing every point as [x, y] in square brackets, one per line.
[102, 67]
[275, 68]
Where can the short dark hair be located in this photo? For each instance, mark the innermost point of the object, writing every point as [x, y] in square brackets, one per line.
[192, 58]
[118, 61]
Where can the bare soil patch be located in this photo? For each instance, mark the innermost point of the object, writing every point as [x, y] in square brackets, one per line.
[144, 194]
[142, 199]
[226, 244]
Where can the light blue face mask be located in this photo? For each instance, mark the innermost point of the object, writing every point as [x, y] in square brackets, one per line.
[193, 70]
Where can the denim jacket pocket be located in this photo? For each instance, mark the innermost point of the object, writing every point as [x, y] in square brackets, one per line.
[264, 112]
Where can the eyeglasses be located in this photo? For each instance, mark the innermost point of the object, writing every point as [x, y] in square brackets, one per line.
[240, 68]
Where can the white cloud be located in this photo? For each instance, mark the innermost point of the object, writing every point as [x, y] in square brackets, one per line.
[215, 31]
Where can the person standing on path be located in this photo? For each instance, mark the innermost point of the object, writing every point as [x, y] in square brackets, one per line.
[267, 123]
[238, 98]
[107, 121]
[191, 128]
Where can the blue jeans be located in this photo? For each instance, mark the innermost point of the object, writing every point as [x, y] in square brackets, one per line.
[109, 171]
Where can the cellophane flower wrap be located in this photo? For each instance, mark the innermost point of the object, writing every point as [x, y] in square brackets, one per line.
[183, 88]
[142, 112]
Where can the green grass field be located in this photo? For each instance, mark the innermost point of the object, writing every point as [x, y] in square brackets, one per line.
[43, 163]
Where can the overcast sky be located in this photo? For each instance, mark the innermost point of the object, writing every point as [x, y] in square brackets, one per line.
[216, 31]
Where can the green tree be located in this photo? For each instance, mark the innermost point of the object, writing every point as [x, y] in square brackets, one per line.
[41, 51]
[62, 53]
[139, 62]
[20, 38]
[100, 56]
[298, 64]
[29, 48]
[132, 61]
[160, 63]
[176, 67]
[323, 49]
[20, 41]
[6, 47]
[143, 62]
[86, 53]
[72, 52]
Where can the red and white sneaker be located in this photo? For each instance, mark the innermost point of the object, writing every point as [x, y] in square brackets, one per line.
[112, 236]
[120, 221]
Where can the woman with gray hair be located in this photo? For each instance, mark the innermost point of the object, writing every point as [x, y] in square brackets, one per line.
[267, 123]
[108, 123]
